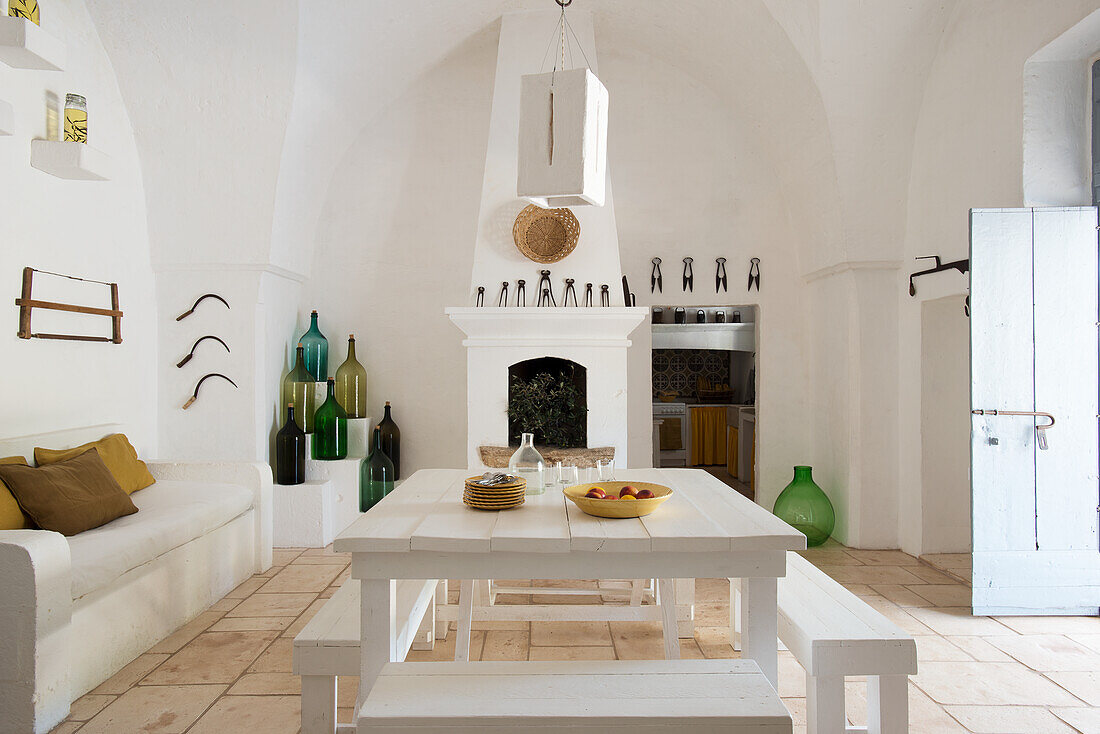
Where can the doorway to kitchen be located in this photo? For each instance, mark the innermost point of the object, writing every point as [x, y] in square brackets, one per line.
[704, 390]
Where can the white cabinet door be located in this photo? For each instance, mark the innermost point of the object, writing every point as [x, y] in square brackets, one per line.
[1033, 343]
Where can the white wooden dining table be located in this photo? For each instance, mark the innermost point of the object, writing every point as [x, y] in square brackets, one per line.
[422, 530]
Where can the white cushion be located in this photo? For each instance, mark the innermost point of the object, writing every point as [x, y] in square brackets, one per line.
[170, 514]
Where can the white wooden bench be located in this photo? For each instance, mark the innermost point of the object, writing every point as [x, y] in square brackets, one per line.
[833, 633]
[328, 646]
[592, 697]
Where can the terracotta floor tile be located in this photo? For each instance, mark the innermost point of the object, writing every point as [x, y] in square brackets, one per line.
[1085, 684]
[248, 588]
[903, 596]
[1090, 641]
[444, 650]
[224, 605]
[330, 560]
[503, 645]
[67, 727]
[1052, 625]
[797, 709]
[267, 684]
[943, 595]
[88, 706]
[213, 657]
[904, 618]
[499, 624]
[690, 650]
[154, 710]
[948, 560]
[557, 634]
[267, 714]
[792, 677]
[712, 590]
[303, 578]
[326, 551]
[835, 556]
[347, 688]
[283, 556]
[186, 633]
[712, 614]
[714, 642]
[277, 658]
[872, 575]
[936, 648]
[979, 649]
[272, 605]
[988, 684]
[930, 575]
[513, 599]
[296, 626]
[563, 599]
[928, 717]
[572, 653]
[638, 640]
[882, 557]
[236, 624]
[1085, 720]
[565, 584]
[1009, 720]
[1048, 652]
[137, 669]
[958, 621]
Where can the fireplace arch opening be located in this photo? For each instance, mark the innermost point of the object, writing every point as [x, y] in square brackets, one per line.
[548, 397]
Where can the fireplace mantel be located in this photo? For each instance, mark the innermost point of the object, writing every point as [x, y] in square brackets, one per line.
[595, 326]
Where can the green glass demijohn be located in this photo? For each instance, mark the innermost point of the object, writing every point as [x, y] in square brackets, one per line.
[805, 507]
[298, 388]
[316, 346]
[351, 384]
[330, 428]
[376, 474]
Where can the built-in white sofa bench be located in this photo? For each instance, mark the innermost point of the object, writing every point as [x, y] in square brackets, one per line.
[590, 697]
[833, 633]
[73, 611]
[328, 646]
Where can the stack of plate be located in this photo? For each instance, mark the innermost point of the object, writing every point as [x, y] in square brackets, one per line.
[503, 496]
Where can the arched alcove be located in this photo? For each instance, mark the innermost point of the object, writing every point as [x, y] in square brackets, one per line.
[556, 389]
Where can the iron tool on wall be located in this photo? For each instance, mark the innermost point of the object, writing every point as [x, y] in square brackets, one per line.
[503, 300]
[605, 295]
[689, 275]
[720, 275]
[198, 341]
[754, 273]
[569, 290]
[480, 295]
[199, 300]
[546, 288]
[656, 280]
[521, 293]
[587, 294]
[204, 378]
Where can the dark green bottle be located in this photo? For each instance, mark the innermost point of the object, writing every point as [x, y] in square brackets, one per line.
[391, 441]
[330, 428]
[290, 451]
[316, 346]
[376, 474]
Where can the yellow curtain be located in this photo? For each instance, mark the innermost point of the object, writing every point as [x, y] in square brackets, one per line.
[708, 436]
[731, 450]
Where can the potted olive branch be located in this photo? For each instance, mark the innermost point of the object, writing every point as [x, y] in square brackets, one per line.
[551, 407]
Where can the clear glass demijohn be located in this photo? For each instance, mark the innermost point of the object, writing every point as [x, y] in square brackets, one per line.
[527, 463]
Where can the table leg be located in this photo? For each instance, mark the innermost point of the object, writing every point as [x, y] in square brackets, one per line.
[685, 602]
[666, 598]
[378, 645]
[441, 625]
[466, 593]
[318, 704]
[760, 625]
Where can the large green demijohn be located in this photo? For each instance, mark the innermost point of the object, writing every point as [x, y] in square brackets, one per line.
[330, 428]
[316, 349]
[805, 507]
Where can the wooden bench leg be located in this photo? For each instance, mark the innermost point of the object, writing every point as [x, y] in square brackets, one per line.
[735, 614]
[425, 633]
[466, 593]
[318, 704]
[760, 625]
[887, 704]
[666, 598]
[637, 588]
[442, 626]
[825, 704]
[685, 603]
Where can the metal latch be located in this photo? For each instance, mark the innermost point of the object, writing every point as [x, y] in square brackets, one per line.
[1040, 431]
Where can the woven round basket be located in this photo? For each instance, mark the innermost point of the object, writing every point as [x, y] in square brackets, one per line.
[545, 235]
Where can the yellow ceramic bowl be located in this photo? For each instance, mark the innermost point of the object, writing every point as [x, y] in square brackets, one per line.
[617, 508]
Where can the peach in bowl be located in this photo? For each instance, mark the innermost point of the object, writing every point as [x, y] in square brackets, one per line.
[618, 499]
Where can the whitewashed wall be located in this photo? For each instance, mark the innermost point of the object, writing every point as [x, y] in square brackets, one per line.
[91, 229]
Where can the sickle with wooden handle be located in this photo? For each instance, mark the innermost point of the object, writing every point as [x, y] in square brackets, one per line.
[198, 341]
[195, 395]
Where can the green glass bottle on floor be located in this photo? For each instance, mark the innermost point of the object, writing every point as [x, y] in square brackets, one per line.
[316, 346]
[330, 428]
[806, 508]
[351, 384]
[298, 388]
[376, 474]
[391, 441]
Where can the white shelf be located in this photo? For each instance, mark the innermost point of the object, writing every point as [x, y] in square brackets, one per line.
[735, 337]
[7, 118]
[75, 161]
[23, 45]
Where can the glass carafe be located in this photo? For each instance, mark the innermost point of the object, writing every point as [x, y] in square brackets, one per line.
[316, 346]
[290, 451]
[376, 474]
[298, 388]
[527, 463]
[806, 508]
[351, 384]
[330, 428]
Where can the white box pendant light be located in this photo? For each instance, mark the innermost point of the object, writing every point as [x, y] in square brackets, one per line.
[562, 139]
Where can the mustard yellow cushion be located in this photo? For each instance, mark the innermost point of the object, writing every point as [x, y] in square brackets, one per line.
[11, 517]
[118, 455]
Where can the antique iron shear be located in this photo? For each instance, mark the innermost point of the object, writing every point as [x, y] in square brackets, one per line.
[754, 273]
[689, 275]
[521, 294]
[503, 300]
[656, 280]
[569, 289]
[720, 275]
[546, 289]
[587, 294]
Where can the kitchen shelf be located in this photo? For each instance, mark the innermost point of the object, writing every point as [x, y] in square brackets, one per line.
[7, 118]
[23, 45]
[76, 161]
[735, 337]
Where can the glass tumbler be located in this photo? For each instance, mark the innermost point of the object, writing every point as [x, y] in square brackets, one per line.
[605, 470]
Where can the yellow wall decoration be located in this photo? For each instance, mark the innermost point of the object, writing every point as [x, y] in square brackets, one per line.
[76, 119]
[24, 9]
